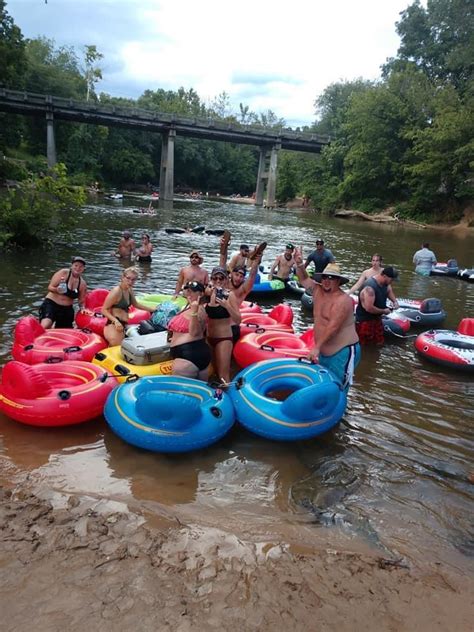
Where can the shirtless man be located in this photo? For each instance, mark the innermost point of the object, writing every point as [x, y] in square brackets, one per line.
[65, 285]
[240, 259]
[283, 265]
[336, 343]
[126, 246]
[370, 272]
[237, 283]
[192, 272]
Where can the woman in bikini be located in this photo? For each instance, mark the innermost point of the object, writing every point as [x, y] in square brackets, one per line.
[143, 253]
[222, 310]
[116, 306]
[65, 285]
[189, 350]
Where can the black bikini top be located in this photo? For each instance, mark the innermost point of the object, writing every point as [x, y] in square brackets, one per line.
[72, 293]
[216, 312]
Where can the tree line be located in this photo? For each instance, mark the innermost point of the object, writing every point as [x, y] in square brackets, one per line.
[405, 140]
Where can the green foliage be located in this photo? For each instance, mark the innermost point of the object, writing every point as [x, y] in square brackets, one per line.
[40, 210]
[129, 166]
[12, 51]
[287, 182]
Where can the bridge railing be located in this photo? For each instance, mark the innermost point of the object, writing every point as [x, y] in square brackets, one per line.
[155, 116]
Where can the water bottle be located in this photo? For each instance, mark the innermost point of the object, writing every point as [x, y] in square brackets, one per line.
[62, 287]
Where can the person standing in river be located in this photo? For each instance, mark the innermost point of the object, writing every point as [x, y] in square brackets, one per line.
[320, 257]
[126, 246]
[336, 343]
[424, 260]
[376, 268]
[373, 305]
[192, 272]
[65, 286]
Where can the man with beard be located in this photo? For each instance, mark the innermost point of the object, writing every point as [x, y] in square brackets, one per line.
[336, 343]
[192, 272]
[283, 265]
[238, 284]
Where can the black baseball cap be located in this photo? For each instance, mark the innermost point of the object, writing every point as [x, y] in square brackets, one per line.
[391, 272]
[320, 241]
[80, 259]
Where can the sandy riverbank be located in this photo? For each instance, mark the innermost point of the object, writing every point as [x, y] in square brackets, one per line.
[89, 565]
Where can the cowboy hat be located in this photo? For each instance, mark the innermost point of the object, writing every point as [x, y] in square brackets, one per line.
[335, 271]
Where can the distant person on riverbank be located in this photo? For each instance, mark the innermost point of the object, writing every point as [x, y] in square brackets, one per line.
[336, 343]
[373, 305]
[424, 260]
[320, 257]
[126, 246]
[370, 272]
[143, 253]
[65, 286]
[283, 265]
[192, 272]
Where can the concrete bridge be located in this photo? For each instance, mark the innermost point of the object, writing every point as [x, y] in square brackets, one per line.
[270, 141]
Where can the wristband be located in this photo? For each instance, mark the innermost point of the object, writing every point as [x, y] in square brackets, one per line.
[196, 314]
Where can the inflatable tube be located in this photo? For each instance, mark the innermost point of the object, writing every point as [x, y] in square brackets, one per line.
[247, 307]
[395, 324]
[112, 361]
[267, 345]
[180, 231]
[152, 300]
[263, 286]
[280, 318]
[32, 343]
[467, 274]
[444, 269]
[169, 414]
[307, 300]
[215, 231]
[59, 394]
[315, 405]
[425, 313]
[173, 231]
[92, 318]
[447, 348]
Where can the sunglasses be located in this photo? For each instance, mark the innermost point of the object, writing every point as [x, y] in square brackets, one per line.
[218, 277]
[329, 277]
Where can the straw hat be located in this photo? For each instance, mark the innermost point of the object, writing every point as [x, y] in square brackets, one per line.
[334, 270]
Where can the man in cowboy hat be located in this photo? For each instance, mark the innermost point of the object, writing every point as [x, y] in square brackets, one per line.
[336, 343]
[192, 272]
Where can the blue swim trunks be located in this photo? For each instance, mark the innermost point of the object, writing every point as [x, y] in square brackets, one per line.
[343, 364]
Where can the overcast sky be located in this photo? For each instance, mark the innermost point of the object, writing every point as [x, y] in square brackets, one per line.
[265, 54]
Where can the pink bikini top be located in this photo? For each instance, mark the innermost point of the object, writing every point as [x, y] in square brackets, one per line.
[179, 324]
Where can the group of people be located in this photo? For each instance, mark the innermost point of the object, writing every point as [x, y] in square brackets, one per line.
[208, 327]
[127, 249]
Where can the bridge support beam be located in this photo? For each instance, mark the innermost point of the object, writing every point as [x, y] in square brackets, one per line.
[266, 178]
[50, 142]
[167, 169]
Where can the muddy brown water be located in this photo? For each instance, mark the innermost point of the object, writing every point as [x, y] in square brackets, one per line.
[395, 475]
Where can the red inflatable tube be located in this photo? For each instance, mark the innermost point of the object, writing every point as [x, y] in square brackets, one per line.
[92, 318]
[53, 395]
[33, 344]
[248, 307]
[269, 345]
[280, 318]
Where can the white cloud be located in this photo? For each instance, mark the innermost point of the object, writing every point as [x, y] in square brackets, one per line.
[292, 50]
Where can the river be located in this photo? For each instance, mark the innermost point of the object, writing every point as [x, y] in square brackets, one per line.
[395, 475]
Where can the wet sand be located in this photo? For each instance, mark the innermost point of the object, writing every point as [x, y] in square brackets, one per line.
[85, 563]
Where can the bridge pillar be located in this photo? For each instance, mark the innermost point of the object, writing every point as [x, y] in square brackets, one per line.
[167, 169]
[50, 142]
[272, 176]
[266, 178]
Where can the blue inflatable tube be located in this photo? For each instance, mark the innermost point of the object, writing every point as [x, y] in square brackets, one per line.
[315, 405]
[263, 285]
[169, 413]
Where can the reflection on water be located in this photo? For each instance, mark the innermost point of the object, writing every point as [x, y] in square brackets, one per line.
[394, 474]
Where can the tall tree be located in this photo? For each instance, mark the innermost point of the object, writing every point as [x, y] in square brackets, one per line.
[12, 51]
